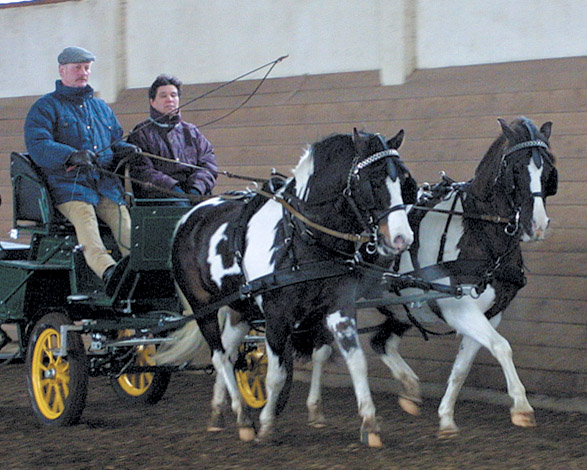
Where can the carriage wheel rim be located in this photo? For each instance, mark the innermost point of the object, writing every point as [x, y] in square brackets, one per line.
[138, 384]
[251, 382]
[49, 375]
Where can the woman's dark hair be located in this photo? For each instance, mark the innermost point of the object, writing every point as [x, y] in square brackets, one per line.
[163, 80]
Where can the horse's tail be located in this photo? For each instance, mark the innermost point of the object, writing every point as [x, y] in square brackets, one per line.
[188, 343]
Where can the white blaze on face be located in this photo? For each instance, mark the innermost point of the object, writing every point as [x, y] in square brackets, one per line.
[399, 234]
[539, 217]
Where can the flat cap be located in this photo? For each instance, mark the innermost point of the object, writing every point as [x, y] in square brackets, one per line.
[75, 55]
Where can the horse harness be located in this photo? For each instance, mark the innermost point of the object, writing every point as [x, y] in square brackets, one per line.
[282, 192]
[479, 272]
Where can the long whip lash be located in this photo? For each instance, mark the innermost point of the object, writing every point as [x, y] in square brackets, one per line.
[271, 66]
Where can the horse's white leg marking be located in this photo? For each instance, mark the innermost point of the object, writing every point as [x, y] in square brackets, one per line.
[274, 382]
[224, 366]
[401, 371]
[232, 337]
[346, 336]
[217, 422]
[459, 372]
[314, 402]
[468, 319]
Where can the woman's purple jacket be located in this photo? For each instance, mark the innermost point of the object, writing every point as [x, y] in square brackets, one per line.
[174, 139]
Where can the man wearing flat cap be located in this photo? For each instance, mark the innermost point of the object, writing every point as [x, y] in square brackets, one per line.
[73, 137]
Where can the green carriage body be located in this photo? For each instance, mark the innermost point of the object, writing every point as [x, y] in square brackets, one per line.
[50, 274]
[68, 328]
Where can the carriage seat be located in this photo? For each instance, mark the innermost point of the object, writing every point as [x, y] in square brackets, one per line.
[33, 208]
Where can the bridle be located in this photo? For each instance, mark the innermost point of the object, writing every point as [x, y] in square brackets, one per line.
[367, 216]
[505, 172]
[369, 222]
[535, 144]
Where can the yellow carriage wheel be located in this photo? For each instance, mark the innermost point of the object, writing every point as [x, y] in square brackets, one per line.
[57, 384]
[138, 384]
[141, 387]
[251, 379]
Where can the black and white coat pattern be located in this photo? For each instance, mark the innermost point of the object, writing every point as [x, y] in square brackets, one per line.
[348, 183]
[470, 233]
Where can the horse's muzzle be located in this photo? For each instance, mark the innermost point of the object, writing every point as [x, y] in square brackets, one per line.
[393, 245]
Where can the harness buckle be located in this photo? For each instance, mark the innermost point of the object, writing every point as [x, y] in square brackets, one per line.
[371, 246]
[512, 227]
[246, 290]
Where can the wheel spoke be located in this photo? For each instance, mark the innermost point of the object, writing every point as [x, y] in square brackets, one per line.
[58, 402]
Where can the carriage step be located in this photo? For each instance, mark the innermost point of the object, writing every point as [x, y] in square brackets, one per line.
[34, 265]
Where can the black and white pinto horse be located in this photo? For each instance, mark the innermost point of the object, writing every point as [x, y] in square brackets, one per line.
[288, 254]
[469, 233]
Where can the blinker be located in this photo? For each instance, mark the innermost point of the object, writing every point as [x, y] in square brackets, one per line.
[536, 157]
[391, 169]
[551, 186]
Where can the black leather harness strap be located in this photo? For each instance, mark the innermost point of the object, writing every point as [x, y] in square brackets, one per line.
[356, 238]
[277, 280]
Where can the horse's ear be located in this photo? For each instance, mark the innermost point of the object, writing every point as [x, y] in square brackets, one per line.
[396, 141]
[546, 129]
[359, 143]
[507, 130]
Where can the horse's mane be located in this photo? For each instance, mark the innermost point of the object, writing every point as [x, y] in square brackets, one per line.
[303, 171]
[318, 158]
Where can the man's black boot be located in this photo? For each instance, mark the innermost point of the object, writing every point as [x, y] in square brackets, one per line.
[113, 275]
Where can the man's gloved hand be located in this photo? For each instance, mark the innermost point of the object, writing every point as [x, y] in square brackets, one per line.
[80, 158]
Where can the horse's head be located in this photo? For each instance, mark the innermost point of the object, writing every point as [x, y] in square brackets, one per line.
[358, 183]
[522, 175]
[378, 187]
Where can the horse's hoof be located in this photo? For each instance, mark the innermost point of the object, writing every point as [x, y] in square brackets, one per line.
[214, 429]
[447, 433]
[265, 435]
[524, 419]
[246, 434]
[317, 422]
[371, 439]
[216, 423]
[409, 406]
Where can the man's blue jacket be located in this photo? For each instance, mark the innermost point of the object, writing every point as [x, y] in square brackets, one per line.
[67, 120]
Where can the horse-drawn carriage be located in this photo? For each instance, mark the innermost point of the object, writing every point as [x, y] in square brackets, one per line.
[291, 262]
[52, 298]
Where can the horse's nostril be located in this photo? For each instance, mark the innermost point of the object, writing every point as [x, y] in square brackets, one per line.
[399, 241]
